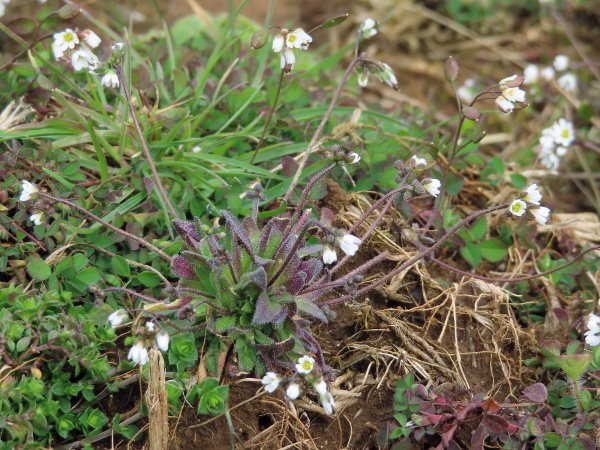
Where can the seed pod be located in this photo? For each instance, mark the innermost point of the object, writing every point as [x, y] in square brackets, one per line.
[451, 70]
[68, 12]
[471, 113]
[334, 21]
[260, 38]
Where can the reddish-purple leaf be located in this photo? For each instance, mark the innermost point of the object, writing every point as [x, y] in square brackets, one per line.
[536, 393]
[183, 268]
[494, 424]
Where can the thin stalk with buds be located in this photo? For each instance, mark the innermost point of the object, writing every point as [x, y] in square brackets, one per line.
[143, 142]
[128, 235]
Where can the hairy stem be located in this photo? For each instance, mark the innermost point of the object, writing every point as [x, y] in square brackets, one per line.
[269, 117]
[320, 128]
[143, 142]
[419, 256]
[128, 235]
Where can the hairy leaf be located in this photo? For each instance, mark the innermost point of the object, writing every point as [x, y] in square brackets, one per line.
[266, 310]
[183, 268]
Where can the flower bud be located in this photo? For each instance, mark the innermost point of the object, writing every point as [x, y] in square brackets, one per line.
[471, 113]
[352, 158]
[335, 21]
[451, 70]
[260, 38]
[68, 12]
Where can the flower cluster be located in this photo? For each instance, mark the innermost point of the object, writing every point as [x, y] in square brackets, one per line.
[567, 81]
[511, 94]
[368, 29]
[77, 45]
[29, 191]
[382, 72]
[592, 336]
[284, 44]
[554, 143]
[305, 368]
[138, 353]
[529, 201]
[348, 243]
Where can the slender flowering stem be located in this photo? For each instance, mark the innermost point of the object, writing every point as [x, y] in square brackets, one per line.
[269, 117]
[312, 145]
[515, 280]
[130, 292]
[145, 148]
[419, 256]
[128, 235]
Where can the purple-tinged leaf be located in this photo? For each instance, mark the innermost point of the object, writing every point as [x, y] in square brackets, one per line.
[536, 393]
[262, 261]
[327, 217]
[259, 278]
[563, 317]
[296, 283]
[183, 268]
[550, 348]
[279, 318]
[238, 231]
[534, 425]
[148, 184]
[266, 310]
[494, 424]
[574, 347]
[251, 227]
[289, 166]
[479, 438]
[308, 307]
[187, 231]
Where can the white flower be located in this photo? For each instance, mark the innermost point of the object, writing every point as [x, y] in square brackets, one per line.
[418, 163]
[328, 403]
[298, 39]
[514, 94]
[150, 327]
[349, 244]
[162, 341]
[592, 336]
[278, 42]
[504, 82]
[305, 365]
[118, 46]
[547, 73]
[533, 195]
[540, 214]
[517, 207]
[504, 105]
[531, 74]
[57, 50]
[467, 91]
[387, 75]
[117, 317]
[321, 387]
[66, 40]
[271, 381]
[561, 62]
[363, 79]
[110, 79]
[550, 160]
[28, 191]
[293, 391]
[563, 133]
[561, 151]
[82, 58]
[37, 218]
[432, 186]
[368, 28]
[138, 353]
[329, 254]
[91, 38]
[568, 82]
[353, 158]
[410, 423]
[287, 59]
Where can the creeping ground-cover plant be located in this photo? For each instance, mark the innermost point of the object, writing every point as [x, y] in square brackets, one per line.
[210, 229]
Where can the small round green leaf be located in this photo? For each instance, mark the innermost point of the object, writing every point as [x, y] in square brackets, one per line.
[38, 269]
[149, 279]
[493, 250]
